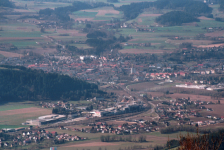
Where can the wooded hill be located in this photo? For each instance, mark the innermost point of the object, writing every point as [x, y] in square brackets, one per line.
[19, 83]
[190, 6]
[176, 18]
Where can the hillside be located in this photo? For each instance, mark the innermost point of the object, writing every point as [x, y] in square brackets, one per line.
[20, 83]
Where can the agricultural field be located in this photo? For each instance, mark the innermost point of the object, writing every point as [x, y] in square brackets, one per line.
[13, 114]
[150, 86]
[27, 35]
[159, 37]
[94, 142]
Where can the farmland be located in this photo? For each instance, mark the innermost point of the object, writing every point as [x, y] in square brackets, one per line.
[13, 114]
[27, 35]
[136, 61]
[94, 142]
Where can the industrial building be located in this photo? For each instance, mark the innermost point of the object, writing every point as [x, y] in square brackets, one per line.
[42, 120]
[117, 110]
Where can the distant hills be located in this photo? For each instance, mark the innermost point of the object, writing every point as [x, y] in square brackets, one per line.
[19, 83]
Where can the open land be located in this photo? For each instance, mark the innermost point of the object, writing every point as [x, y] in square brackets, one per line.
[16, 113]
[10, 54]
[142, 51]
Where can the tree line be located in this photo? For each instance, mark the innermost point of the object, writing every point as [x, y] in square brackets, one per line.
[19, 83]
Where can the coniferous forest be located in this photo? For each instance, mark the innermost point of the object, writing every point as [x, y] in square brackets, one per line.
[20, 83]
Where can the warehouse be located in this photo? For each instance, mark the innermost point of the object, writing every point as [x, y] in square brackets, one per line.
[42, 120]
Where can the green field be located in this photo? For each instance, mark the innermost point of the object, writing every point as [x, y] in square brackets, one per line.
[84, 14]
[12, 118]
[11, 126]
[19, 105]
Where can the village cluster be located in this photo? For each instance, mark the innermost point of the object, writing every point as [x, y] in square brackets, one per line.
[183, 110]
[124, 129]
[26, 136]
[108, 70]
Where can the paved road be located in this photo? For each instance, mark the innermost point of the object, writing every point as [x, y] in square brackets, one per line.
[137, 95]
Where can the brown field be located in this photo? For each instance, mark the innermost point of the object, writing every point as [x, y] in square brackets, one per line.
[219, 125]
[215, 34]
[139, 19]
[218, 110]
[24, 111]
[142, 86]
[39, 50]
[132, 40]
[155, 44]
[92, 144]
[150, 15]
[83, 19]
[192, 97]
[194, 42]
[21, 10]
[103, 12]
[71, 32]
[204, 18]
[20, 38]
[211, 45]
[198, 119]
[141, 51]
[10, 54]
[115, 122]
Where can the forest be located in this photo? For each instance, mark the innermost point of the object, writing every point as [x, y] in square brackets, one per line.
[176, 18]
[6, 3]
[18, 83]
[193, 7]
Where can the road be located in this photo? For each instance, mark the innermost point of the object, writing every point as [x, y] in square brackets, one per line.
[137, 95]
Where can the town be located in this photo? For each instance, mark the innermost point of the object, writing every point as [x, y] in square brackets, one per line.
[114, 74]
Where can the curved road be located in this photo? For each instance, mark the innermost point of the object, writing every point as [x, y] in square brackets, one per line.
[134, 94]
